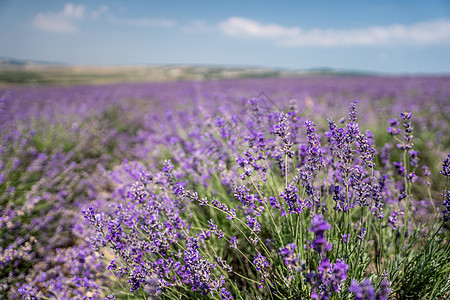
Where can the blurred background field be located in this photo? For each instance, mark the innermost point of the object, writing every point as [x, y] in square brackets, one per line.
[32, 73]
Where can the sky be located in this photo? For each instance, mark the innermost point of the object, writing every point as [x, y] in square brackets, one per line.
[395, 37]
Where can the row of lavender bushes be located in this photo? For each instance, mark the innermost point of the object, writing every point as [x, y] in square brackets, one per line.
[229, 189]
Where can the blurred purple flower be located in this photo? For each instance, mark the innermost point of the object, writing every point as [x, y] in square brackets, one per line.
[318, 226]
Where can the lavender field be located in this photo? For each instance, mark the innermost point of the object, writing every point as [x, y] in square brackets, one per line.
[270, 188]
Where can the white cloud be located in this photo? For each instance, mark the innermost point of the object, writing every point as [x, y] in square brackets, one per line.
[66, 20]
[63, 21]
[143, 22]
[431, 32]
[73, 11]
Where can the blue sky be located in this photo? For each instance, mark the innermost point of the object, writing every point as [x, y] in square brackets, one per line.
[382, 36]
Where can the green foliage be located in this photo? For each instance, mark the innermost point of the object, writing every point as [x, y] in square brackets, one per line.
[425, 273]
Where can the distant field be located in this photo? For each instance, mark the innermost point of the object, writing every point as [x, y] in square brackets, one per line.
[32, 74]
[110, 74]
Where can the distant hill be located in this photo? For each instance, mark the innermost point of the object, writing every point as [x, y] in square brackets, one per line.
[7, 61]
[16, 71]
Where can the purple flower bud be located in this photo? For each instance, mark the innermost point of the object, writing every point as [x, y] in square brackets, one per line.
[446, 167]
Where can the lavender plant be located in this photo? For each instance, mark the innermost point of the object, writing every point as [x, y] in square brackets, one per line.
[268, 236]
[225, 195]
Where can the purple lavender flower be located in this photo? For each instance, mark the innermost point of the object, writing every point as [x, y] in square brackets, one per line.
[378, 196]
[352, 132]
[253, 224]
[399, 168]
[16, 163]
[393, 128]
[362, 291]
[362, 233]
[167, 167]
[260, 263]
[242, 193]
[233, 242]
[411, 177]
[93, 218]
[366, 291]
[406, 115]
[274, 202]
[339, 198]
[366, 150]
[414, 158]
[215, 230]
[361, 186]
[446, 204]
[426, 171]
[137, 278]
[406, 145]
[446, 167]
[353, 112]
[427, 174]
[231, 214]
[393, 220]
[197, 271]
[315, 151]
[328, 280]
[219, 121]
[446, 194]
[335, 138]
[223, 264]
[339, 275]
[281, 129]
[225, 294]
[112, 266]
[115, 231]
[318, 226]
[288, 254]
[292, 199]
[385, 289]
[345, 238]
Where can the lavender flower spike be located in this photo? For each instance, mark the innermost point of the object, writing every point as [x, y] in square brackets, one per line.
[318, 227]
